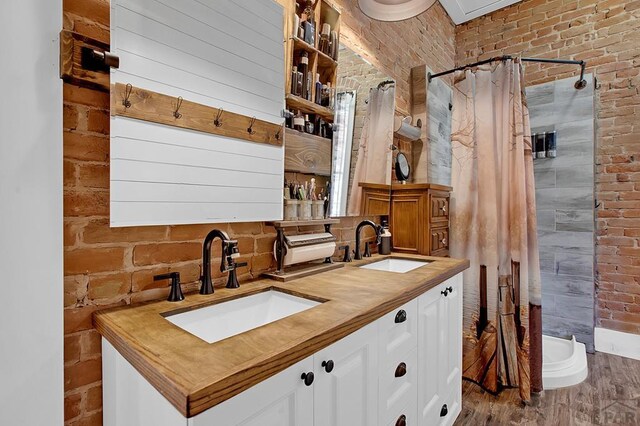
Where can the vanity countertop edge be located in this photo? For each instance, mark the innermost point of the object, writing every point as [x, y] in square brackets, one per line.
[195, 375]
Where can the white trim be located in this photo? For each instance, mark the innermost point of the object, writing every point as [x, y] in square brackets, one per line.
[465, 10]
[617, 343]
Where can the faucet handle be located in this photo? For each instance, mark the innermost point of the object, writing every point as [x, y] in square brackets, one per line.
[347, 253]
[175, 295]
[367, 249]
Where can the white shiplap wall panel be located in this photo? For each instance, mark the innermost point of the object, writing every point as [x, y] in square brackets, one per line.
[221, 53]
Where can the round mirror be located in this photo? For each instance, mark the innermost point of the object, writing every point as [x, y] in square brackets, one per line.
[402, 167]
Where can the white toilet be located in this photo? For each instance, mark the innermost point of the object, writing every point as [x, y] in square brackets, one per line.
[564, 362]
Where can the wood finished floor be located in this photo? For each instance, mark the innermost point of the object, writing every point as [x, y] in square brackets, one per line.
[609, 396]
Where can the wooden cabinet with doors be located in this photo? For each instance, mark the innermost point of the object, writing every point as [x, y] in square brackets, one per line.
[420, 218]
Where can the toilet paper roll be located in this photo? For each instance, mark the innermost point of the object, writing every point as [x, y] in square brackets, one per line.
[406, 129]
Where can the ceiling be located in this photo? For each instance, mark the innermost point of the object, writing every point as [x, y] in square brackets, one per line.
[465, 10]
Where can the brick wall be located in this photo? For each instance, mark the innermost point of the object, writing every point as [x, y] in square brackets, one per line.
[607, 35]
[109, 267]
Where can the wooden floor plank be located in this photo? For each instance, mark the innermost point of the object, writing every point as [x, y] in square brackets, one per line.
[609, 396]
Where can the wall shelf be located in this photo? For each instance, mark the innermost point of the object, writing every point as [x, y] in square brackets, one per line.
[308, 107]
[305, 153]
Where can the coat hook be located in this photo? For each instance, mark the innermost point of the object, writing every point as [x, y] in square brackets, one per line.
[250, 129]
[127, 92]
[176, 113]
[217, 122]
[278, 135]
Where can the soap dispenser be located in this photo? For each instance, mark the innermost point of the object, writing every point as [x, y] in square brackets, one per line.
[385, 238]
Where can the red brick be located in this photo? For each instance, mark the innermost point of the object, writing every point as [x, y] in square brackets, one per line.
[153, 254]
[72, 406]
[82, 373]
[92, 260]
[109, 286]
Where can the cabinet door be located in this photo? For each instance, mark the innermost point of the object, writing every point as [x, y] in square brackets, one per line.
[347, 395]
[431, 352]
[281, 400]
[452, 358]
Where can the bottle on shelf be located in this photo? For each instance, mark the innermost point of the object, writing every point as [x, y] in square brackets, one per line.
[298, 122]
[288, 119]
[299, 85]
[332, 96]
[309, 87]
[324, 44]
[308, 125]
[318, 98]
[309, 24]
[333, 49]
[303, 68]
[294, 80]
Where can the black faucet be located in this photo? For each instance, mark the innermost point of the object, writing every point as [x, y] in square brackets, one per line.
[227, 264]
[361, 225]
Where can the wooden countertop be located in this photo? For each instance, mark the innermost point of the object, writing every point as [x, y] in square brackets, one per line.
[195, 375]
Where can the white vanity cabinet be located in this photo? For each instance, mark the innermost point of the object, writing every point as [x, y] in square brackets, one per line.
[440, 353]
[400, 370]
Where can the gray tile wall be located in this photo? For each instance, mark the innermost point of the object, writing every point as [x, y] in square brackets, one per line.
[565, 207]
[439, 97]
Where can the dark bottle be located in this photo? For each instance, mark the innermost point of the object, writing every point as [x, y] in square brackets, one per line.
[294, 81]
[309, 24]
[550, 142]
[541, 150]
[533, 145]
[299, 84]
[303, 68]
[308, 125]
[318, 98]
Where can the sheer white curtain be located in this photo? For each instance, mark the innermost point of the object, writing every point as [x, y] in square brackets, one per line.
[374, 151]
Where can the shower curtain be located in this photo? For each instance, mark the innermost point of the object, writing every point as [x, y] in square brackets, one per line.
[493, 223]
[373, 164]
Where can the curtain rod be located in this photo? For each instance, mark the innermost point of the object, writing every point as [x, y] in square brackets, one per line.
[580, 84]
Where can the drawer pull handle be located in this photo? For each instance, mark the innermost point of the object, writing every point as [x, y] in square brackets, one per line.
[450, 289]
[328, 366]
[445, 292]
[308, 378]
[444, 241]
[444, 410]
[444, 209]
[401, 316]
[401, 370]
[402, 421]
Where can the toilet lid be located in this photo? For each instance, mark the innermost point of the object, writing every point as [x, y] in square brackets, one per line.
[394, 10]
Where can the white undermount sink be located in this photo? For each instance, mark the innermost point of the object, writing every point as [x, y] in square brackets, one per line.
[216, 322]
[393, 264]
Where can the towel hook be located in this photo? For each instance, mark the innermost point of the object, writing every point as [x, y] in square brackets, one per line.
[217, 122]
[250, 128]
[278, 135]
[176, 113]
[127, 92]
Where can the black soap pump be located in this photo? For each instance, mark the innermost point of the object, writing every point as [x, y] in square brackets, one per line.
[175, 295]
[385, 238]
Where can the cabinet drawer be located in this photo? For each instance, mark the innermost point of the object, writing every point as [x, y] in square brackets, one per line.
[439, 241]
[398, 386]
[409, 414]
[453, 404]
[398, 331]
[439, 208]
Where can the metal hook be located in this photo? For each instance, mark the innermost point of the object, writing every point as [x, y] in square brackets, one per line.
[176, 113]
[250, 128]
[278, 135]
[217, 121]
[127, 92]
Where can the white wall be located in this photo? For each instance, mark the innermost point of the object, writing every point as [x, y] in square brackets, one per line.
[31, 334]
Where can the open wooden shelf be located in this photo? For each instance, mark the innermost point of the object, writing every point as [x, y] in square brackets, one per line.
[324, 60]
[308, 107]
[305, 153]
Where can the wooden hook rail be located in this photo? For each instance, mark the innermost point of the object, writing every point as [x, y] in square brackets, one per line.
[133, 102]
